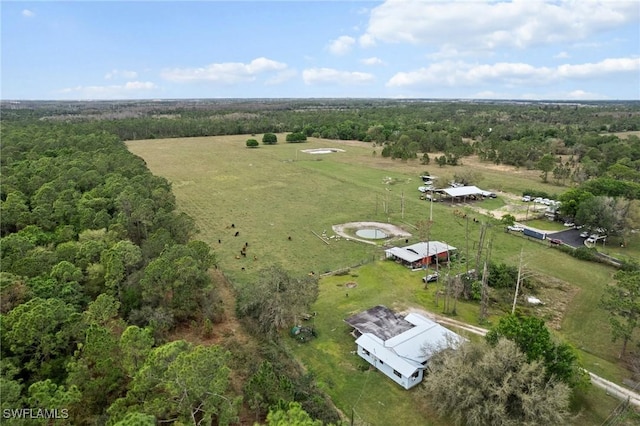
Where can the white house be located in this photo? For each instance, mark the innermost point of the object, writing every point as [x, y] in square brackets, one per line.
[399, 347]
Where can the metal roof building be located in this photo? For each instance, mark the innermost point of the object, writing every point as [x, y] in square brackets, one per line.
[422, 252]
[399, 347]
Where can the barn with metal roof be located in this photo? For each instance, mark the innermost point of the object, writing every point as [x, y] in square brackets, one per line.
[420, 254]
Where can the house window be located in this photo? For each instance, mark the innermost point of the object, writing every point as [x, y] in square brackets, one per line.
[381, 361]
[396, 373]
[366, 352]
[415, 375]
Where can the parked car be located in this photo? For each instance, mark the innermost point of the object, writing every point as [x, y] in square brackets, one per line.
[537, 200]
[526, 198]
[516, 228]
[556, 241]
[431, 278]
[569, 224]
[591, 240]
[584, 234]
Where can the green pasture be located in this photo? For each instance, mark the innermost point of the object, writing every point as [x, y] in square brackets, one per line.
[275, 192]
[545, 225]
[373, 398]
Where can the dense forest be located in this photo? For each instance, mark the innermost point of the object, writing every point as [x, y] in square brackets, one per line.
[99, 270]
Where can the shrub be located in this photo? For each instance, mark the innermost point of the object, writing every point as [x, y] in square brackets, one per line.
[296, 137]
[584, 253]
[252, 143]
[629, 265]
[269, 139]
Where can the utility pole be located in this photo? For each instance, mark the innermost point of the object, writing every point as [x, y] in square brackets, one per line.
[431, 207]
[515, 296]
[466, 239]
[484, 290]
[483, 231]
[484, 294]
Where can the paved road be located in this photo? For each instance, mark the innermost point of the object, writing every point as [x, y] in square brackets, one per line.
[569, 236]
[610, 387]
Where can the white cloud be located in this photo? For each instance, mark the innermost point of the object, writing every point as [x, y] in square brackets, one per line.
[119, 91]
[226, 72]
[139, 85]
[582, 95]
[458, 73]
[561, 55]
[342, 45]
[568, 96]
[448, 51]
[124, 74]
[28, 13]
[332, 76]
[489, 24]
[367, 40]
[282, 77]
[372, 61]
[607, 66]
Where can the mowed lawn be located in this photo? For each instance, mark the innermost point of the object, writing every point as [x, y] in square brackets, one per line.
[275, 192]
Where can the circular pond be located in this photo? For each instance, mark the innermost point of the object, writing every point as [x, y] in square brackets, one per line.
[371, 233]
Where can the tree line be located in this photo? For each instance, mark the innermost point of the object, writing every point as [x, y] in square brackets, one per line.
[99, 270]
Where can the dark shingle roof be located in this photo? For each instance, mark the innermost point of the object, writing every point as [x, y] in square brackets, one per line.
[380, 321]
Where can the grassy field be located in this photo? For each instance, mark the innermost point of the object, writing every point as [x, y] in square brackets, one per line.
[545, 225]
[277, 197]
[375, 399]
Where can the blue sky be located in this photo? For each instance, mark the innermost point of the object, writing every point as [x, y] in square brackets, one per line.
[473, 49]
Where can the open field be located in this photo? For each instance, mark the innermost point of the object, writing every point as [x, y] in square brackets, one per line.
[375, 399]
[275, 192]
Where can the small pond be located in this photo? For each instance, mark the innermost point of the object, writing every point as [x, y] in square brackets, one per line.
[371, 233]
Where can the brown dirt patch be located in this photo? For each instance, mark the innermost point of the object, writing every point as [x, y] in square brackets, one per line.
[227, 333]
[228, 328]
[556, 295]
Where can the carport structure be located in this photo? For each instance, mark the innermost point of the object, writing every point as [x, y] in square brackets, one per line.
[464, 192]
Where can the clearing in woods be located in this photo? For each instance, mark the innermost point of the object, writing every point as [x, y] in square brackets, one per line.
[278, 202]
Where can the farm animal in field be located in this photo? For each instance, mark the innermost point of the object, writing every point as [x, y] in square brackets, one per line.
[237, 233]
[289, 238]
